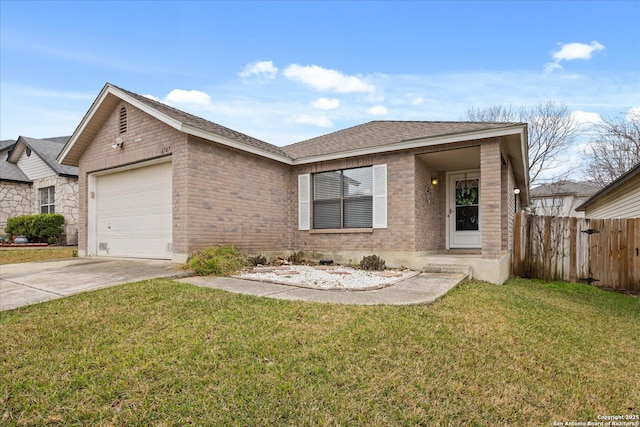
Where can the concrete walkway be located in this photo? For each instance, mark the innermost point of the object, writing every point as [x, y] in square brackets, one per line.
[424, 288]
[33, 282]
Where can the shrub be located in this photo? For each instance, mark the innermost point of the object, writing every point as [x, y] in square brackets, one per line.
[221, 261]
[296, 258]
[257, 260]
[372, 262]
[37, 228]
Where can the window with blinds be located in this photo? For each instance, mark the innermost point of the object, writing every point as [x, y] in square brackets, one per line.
[343, 199]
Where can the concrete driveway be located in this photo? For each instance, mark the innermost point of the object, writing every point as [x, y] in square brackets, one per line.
[33, 282]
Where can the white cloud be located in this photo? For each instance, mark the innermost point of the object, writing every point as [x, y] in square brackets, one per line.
[322, 122]
[326, 80]
[633, 113]
[326, 103]
[260, 68]
[571, 51]
[180, 96]
[418, 101]
[550, 67]
[585, 119]
[378, 110]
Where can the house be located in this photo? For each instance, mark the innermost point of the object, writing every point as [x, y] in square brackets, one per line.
[33, 181]
[157, 182]
[561, 198]
[619, 199]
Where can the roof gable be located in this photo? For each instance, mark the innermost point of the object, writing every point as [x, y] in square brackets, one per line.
[180, 120]
[47, 150]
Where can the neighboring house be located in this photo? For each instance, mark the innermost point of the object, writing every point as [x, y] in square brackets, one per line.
[561, 198]
[33, 181]
[157, 182]
[620, 199]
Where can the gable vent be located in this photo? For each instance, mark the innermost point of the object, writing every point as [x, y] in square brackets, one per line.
[123, 120]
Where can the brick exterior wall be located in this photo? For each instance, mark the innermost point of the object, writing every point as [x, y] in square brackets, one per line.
[146, 138]
[491, 190]
[430, 208]
[236, 198]
[225, 196]
[400, 232]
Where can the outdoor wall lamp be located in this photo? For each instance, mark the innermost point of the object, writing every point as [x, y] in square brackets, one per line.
[516, 191]
[119, 145]
[434, 180]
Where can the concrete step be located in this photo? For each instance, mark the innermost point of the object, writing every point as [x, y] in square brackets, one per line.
[448, 268]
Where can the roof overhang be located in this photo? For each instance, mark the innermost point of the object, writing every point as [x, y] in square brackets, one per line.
[516, 138]
[104, 104]
[627, 176]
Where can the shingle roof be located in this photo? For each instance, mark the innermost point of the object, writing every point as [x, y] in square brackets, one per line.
[381, 133]
[48, 149]
[566, 188]
[6, 143]
[206, 125]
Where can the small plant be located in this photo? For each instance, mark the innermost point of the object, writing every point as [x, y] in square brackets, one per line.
[296, 258]
[221, 261]
[372, 262]
[257, 260]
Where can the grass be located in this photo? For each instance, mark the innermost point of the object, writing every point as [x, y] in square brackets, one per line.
[164, 353]
[13, 256]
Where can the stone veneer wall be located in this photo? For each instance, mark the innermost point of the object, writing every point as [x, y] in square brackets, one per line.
[16, 198]
[66, 196]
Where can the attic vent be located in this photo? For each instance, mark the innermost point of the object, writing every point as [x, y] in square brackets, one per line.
[28, 152]
[123, 120]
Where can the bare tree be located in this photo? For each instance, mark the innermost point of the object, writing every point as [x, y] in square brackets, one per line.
[616, 148]
[552, 130]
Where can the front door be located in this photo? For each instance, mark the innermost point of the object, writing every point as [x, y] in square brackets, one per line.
[464, 210]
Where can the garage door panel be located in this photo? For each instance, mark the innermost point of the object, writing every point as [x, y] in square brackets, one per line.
[133, 213]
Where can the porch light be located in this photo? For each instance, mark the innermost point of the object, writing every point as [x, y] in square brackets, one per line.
[119, 145]
[434, 180]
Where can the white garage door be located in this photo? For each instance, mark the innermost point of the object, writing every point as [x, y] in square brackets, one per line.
[133, 213]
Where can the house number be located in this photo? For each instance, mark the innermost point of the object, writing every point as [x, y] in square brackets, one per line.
[166, 150]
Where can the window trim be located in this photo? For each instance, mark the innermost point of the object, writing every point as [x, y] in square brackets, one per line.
[50, 207]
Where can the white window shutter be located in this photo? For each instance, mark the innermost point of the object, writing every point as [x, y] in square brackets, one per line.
[379, 196]
[304, 193]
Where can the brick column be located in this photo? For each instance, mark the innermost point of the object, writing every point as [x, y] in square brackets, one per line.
[491, 198]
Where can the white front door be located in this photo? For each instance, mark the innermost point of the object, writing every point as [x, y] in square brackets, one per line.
[464, 210]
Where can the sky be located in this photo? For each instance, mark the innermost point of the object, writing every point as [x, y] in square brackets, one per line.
[287, 71]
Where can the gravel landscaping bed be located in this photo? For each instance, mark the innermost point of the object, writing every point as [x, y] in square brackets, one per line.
[326, 277]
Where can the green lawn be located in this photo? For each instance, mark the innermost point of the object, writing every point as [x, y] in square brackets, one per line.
[14, 255]
[163, 353]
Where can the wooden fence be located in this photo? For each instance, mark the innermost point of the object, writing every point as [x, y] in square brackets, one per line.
[604, 252]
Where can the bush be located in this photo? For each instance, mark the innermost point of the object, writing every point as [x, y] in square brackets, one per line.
[257, 260]
[372, 262]
[45, 228]
[221, 261]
